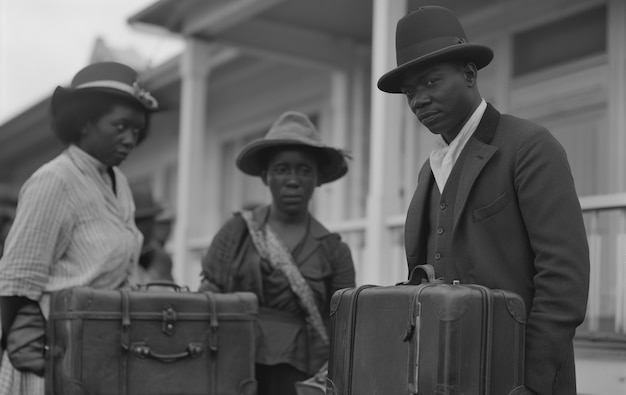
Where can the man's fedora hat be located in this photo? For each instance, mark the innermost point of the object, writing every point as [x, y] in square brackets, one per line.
[293, 130]
[426, 36]
[108, 77]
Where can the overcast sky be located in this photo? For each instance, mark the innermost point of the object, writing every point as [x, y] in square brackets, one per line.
[43, 43]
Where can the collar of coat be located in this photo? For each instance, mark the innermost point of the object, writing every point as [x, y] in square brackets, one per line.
[317, 232]
[487, 127]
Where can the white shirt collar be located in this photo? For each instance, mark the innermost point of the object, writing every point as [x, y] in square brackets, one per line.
[444, 155]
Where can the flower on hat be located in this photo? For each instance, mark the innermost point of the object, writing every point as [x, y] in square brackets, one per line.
[144, 96]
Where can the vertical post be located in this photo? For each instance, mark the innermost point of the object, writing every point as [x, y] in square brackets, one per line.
[617, 93]
[336, 135]
[359, 110]
[620, 277]
[5, 69]
[194, 71]
[159, 185]
[209, 197]
[595, 257]
[385, 127]
[501, 69]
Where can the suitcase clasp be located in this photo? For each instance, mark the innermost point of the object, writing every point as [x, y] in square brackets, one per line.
[169, 319]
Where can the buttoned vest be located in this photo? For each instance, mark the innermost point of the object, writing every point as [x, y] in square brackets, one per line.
[440, 220]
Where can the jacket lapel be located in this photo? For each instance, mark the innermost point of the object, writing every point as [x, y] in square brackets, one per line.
[110, 197]
[477, 153]
[414, 232]
[94, 181]
[122, 199]
[316, 232]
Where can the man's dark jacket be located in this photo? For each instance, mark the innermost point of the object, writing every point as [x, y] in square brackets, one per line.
[517, 226]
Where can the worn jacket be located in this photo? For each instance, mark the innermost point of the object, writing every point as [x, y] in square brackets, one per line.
[232, 264]
[517, 226]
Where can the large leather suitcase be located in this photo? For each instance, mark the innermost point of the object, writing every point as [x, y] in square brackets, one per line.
[149, 342]
[423, 339]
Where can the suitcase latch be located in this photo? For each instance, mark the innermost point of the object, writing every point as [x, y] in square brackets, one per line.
[169, 319]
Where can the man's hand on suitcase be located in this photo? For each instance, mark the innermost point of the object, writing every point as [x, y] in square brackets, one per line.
[523, 391]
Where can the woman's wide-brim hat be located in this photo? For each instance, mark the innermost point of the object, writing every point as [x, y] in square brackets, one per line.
[293, 130]
[429, 35]
[107, 77]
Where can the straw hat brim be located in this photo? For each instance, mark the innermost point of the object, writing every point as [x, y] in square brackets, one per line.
[480, 55]
[332, 166]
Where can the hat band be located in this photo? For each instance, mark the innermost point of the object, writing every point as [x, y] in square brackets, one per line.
[135, 91]
[426, 47]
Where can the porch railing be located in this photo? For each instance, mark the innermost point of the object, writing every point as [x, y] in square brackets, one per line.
[605, 220]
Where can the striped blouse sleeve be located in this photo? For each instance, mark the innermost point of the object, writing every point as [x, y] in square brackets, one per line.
[37, 237]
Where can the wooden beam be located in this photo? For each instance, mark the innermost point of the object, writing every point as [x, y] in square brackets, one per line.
[224, 15]
[290, 43]
[162, 75]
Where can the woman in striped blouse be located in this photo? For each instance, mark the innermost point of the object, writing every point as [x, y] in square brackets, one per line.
[74, 224]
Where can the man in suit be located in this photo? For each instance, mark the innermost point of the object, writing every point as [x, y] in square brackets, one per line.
[495, 203]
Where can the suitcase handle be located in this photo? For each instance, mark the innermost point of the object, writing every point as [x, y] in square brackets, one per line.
[143, 350]
[421, 274]
[168, 284]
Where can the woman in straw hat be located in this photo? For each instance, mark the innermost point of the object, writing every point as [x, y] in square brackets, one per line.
[74, 223]
[283, 254]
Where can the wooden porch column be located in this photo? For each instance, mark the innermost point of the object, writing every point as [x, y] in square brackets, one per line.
[385, 129]
[617, 93]
[194, 72]
[335, 131]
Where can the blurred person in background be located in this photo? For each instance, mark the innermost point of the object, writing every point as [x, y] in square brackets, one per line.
[8, 204]
[74, 224]
[283, 254]
[154, 263]
[163, 226]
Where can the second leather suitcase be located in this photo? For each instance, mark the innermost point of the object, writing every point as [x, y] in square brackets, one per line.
[150, 342]
[427, 339]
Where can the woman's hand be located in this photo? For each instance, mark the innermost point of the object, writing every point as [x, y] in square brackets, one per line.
[26, 334]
